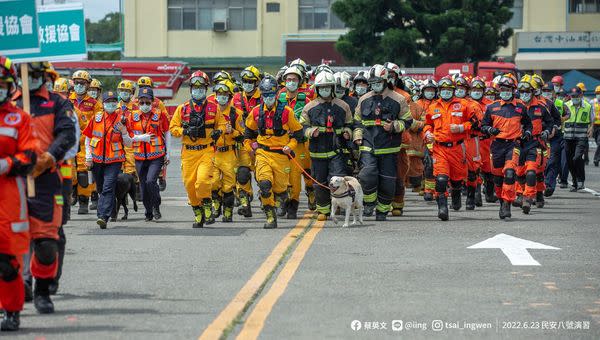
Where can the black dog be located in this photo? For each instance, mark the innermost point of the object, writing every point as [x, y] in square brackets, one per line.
[125, 185]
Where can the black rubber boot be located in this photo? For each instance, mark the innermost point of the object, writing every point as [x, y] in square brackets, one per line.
[539, 200]
[456, 199]
[518, 202]
[227, 214]
[53, 287]
[526, 205]
[428, 196]
[83, 205]
[504, 210]
[41, 297]
[292, 210]
[162, 184]
[548, 192]
[271, 222]
[244, 209]
[207, 207]
[28, 291]
[10, 322]
[283, 207]
[312, 200]
[94, 201]
[368, 209]
[442, 202]
[380, 216]
[470, 201]
[156, 213]
[198, 217]
[217, 203]
[478, 198]
[490, 193]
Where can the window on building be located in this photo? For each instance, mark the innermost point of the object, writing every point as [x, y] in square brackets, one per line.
[517, 19]
[317, 14]
[199, 14]
[272, 7]
[584, 6]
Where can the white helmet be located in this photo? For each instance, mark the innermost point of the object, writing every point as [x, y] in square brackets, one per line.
[343, 79]
[293, 70]
[301, 64]
[322, 68]
[378, 73]
[324, 79]
[393, 68]
[410, 84]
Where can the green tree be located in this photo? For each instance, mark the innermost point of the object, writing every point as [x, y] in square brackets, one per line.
[105, 31]
[423, 32]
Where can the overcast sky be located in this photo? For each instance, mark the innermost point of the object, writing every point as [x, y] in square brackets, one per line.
[97, 9]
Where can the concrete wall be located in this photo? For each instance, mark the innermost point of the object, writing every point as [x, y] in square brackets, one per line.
[584, 22]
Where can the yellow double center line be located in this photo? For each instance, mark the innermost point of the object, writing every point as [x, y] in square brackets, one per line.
[235, 310]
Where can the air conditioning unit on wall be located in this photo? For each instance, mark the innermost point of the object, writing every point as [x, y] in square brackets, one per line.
[220, 20]
[220, 26]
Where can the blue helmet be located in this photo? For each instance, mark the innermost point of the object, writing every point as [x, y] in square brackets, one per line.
[268, 85]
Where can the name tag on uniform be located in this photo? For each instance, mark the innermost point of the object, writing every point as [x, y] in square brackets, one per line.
[457, 114]
[436, 116]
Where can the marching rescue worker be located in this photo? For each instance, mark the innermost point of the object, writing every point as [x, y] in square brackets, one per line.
[557, 84]
[343, 83]
[530, 169]
[296, 100]
[448, 122]
[429, 96]
[61, 86]
[416, 147]
[508, 121]
[577, 130]
[194, 122]
[95, 90]
[86, 108]
[229, 135]
[490, 94]
[380, 118]
[151, 149]
[557, 166]
[303, 86]
[106, 138]
[127, 105]
[478, 90]
[360, 85]
[245, 101]
[17, 159]
[328, 122]
[473, 154]
[272, 133]
[596, 127]
[55, 133]
[395, 75]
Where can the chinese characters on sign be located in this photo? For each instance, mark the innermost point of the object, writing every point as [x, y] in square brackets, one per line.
[59, 33]
[539, 41]
[18, 24]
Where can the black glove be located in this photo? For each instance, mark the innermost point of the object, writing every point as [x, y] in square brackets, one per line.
[216, 134]
[490, 130]
[545, 135]
[526, 136]
[186, 131]
[407, 123]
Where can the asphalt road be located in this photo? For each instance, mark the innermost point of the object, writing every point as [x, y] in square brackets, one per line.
[407, 277]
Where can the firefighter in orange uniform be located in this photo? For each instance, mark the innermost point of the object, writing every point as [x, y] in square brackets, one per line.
[151, 149]
[245, 101]
[272, 132]
[127, 105]
[447, 124]
[17, 158]
[85, 108]
[429, 90]
[55, 132]
[508, 121]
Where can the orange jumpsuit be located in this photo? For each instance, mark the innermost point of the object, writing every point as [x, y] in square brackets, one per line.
[429, 182]
[472, 145]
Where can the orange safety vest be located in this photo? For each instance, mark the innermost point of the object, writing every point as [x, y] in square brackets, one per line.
[155, 123]
[106, 142]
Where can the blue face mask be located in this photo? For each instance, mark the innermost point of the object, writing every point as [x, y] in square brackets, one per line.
[79, 89]
[506, 95]
[525, 96]
[35, 83]
[110, 107]
[446, 94]
[460, 93]
[198, 93]
[576, 101]
[269, 100]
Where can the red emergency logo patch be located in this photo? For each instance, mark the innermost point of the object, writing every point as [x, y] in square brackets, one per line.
[456, 106]
[518, 110]
[12, 119]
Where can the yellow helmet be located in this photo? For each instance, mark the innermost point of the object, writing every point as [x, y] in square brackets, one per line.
[145, 81]
[538, 80]
[582, 87]
[224, 86]
[250, 73]
[220, 76]
[96, 84]
[83, 75]
[61, 85]
[126, 85]
[597, 90]
[529, 79]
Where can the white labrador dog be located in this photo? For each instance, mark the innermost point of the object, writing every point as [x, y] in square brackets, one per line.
[347, 194]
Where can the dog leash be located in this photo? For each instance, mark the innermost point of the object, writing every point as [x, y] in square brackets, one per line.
[292, 157]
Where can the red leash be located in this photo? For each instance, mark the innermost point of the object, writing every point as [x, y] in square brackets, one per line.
[292, 157]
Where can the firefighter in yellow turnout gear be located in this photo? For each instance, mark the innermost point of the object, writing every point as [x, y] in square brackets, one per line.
[226, 153]
[272, 132]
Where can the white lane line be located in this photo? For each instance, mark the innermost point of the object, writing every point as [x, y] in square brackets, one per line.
[591, 191]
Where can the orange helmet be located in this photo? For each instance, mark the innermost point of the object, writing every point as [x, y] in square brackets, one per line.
[199, 78]
[477, 83]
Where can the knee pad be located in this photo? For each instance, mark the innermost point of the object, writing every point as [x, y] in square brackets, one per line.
[472, 176]
[531, 178]
[45, 250]
[498, 180]
[456, 185]
[9, 268]
[509, 176]
[228, 199]
[82, 179]
[265, 188]
[441, 183]
[243, 175]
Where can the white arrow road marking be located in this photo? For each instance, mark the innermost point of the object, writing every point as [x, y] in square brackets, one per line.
[593, 192]
[514, 248]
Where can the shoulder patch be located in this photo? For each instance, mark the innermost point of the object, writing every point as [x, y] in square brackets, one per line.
[136, 117]
[456, 106]
[98, 117]
[155, 117]
[12, 118]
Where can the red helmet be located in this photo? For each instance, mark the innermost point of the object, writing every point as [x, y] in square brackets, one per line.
[8, 71]
[477, 83]
[199, 78]
[558, 79]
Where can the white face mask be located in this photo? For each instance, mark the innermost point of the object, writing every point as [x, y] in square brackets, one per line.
[291, 85]
[378, 87]
[198, 93]
[446, 94]
[547, 94]
[429, 94]
[79, 89]
[525, 96]
[3, 95]
[124, 95]
[324, 92]
[222, 99]
[49, 86]
[556, 88]
[110, 107]
[576, 101]
[248, 87]
[598, 97]
[476, 94]
[490, 97]
[460, 93]
[339, 92]
[35, 83]
[269, 101]
[360, 90]
[93, 94]
[146, 108]
[506, 95]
